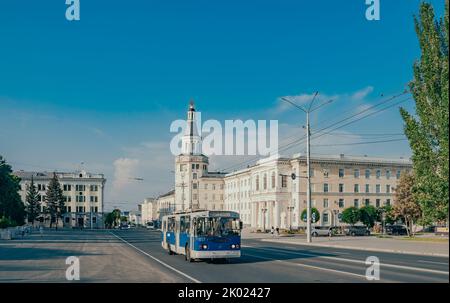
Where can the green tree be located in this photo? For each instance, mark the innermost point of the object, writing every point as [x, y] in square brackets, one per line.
[315, 215]
[351, 215]
[389, 217]
[428, 129]
[368, 215]
[406, 205]
[33, 207]
[55, 200]
[11, 205]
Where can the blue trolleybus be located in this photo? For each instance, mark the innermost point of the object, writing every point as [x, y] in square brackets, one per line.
[202, 234]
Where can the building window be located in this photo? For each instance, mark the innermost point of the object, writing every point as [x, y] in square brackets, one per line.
[80, 198]
[377, 203]
[388, 189]
[325, 203]
[194, 185]
[341, 173]
[378, 188]
[356, 203]
[69, 209]
[273, 180]
[325, 187]
[67, 187]
[325, 173]
[193, 166]
[265, 181]
[194, 176]
[341, 203]
[367, 173]
[388, 174]
[325, 218]
[341, 187]
[399, 172]
[388, 202]
[311, 172]
[283, 181]
[367, 188]
[356, 188]
[194, 196]
[94, 188]
[378, 174]
[356, 173]
[197, 166]
[79, 187]
[367, 202]
[257, 182]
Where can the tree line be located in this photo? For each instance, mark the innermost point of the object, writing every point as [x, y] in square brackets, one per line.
[12, 209]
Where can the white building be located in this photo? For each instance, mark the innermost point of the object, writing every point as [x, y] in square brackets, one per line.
[83, 193]
[148, 209]
[265, 195]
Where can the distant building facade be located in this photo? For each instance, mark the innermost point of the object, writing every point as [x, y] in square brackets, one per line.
[148, 209]
[83, 193]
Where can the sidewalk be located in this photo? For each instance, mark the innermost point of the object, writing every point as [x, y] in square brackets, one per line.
[393, 245]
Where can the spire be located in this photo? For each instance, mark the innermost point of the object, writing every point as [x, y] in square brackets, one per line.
[191, 105]
[191, 140]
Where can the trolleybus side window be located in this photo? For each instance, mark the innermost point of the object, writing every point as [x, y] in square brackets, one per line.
[185, 224]
[171, 224]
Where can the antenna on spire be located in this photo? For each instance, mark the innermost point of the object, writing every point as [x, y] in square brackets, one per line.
[191, 105]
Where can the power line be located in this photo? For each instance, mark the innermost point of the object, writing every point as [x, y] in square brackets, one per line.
[295, 142]
[359, 143]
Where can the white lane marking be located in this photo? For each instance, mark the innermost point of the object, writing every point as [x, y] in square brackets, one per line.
[157, 260]
[433, 262]
[309, 266]
[363, 262]
[340, 253]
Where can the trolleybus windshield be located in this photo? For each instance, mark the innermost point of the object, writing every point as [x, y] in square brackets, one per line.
[217, 227]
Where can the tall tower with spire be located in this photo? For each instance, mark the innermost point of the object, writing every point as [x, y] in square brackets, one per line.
[190, 165]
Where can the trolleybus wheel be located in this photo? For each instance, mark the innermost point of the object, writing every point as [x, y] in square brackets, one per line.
[169, 250]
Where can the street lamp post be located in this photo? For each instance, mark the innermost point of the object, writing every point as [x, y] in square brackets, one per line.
[308, 111]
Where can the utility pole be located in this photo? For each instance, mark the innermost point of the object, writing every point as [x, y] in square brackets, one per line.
[308, 175]
[308, 157]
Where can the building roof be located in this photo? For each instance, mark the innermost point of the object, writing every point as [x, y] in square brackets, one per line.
[170, 193]
[44, 175]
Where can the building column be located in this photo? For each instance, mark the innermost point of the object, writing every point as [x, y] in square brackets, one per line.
[277, 214]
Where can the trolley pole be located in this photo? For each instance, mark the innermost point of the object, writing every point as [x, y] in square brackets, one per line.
[308, 175]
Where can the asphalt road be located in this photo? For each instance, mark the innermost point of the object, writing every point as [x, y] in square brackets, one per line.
[269, 262]
[136, 255]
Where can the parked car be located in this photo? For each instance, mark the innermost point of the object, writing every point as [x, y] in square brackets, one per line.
[396, 230]
[124, 226]
[317, 231]
[356, 230]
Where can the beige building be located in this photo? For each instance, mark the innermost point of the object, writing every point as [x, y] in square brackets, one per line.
[83, 193]
[266, 195]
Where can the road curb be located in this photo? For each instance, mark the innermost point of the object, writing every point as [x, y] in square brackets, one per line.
[359, 248]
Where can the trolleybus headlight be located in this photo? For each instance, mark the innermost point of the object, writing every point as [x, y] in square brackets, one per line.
[204, 246]
[234, 246]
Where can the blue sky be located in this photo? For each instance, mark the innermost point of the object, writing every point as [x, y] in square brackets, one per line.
[105, 89]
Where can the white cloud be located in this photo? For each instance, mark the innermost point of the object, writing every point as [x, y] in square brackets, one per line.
[303, 99]
[362, 93]
[124, 171]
